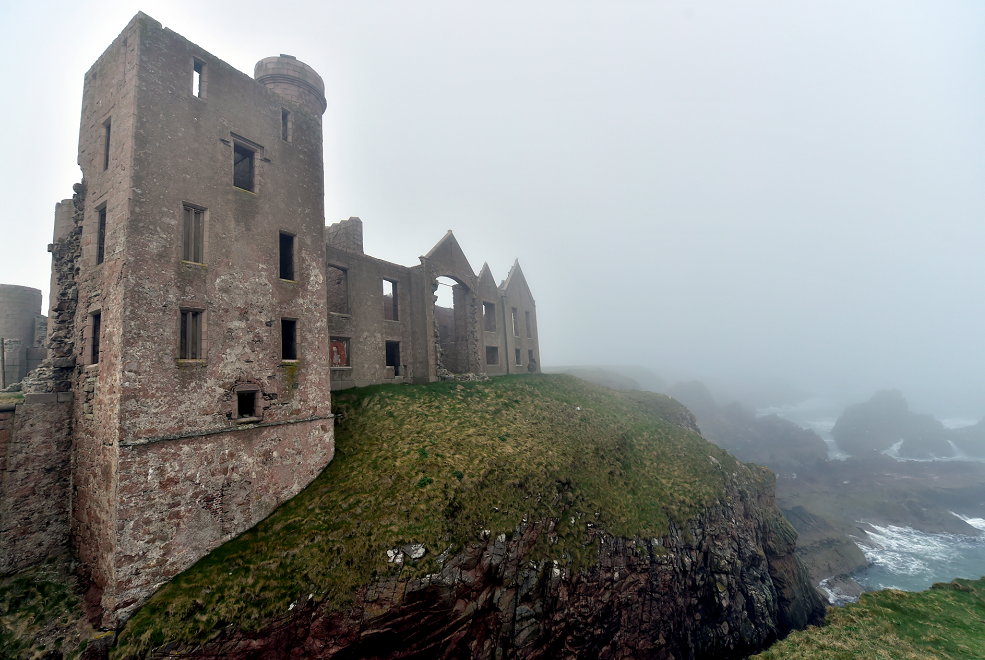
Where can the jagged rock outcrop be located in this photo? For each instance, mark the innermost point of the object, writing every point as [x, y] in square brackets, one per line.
[768, 440]
[827, 551]
[885, 420]
[725, 585]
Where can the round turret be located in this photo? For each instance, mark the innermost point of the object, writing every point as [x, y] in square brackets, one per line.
[294, 80]
[19, 305]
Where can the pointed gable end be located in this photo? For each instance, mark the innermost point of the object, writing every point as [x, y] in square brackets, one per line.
[516, 282]
[446, 259]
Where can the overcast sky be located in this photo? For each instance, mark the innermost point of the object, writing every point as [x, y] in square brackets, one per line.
[748, 190]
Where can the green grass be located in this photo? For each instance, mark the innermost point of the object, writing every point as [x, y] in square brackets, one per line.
[41, 612]
[947, 621]
[438, 464]
[11, 397]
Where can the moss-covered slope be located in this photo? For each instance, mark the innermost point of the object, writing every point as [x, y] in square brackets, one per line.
[41, 614]
[947, 621]
[436, 465]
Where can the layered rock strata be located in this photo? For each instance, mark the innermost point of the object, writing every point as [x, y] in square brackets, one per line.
[725, 585]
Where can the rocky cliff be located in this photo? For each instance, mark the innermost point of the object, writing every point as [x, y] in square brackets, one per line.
[630, 537]
[726, 585]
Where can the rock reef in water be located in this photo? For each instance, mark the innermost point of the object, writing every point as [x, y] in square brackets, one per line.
[885, 420]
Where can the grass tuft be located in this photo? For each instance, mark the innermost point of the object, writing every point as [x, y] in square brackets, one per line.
[41, 612]
[947, 622]
[438, 464]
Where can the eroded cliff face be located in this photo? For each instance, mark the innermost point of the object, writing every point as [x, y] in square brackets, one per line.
[723, 586]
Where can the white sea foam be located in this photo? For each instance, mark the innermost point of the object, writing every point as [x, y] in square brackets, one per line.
[893, 452]
[958, 422]
[977, 523]
[907, 559]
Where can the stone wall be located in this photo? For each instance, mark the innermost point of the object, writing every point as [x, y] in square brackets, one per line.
[365, 327]
[180, 499]
[35, 476]
[20, 307]
[164, 446]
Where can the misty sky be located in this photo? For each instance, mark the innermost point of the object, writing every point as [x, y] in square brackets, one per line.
[754, 190]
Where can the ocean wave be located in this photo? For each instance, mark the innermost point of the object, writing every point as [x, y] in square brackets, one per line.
[907, 559]
[977, 523]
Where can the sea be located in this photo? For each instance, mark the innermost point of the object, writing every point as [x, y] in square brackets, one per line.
[899, 557]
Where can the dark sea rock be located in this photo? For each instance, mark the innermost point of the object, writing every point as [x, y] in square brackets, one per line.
[824, 545]
[970, 439]
[885, 420]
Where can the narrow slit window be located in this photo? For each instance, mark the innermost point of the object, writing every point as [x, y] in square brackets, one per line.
[198, 78]
[516, 325]
[286, 256]
[338, 290]
[107, 131]
[97, 318]
[531, 363]
[193, 235]
[243, 167]
[101, 236]
[527, 315]
[286, 124]
[289, 339]
[190, 339]
[390, 312]
[492, 355]
[489, 316]
[518, 357]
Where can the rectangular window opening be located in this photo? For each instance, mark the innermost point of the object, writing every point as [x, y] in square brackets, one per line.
[531, 363]
[286, 256]
[193, 235]
[492, 355]
[518, 357]
[390, 312]
[489, 316]
[107, 126]
[198, 78]
[393, 356]
[286, 124]
[243, 167]
[338, 290]
[339, 351]
[289, 339]
[527, 315]
[516, 324]
[97, 318]
[190, 339]
[246, 404]
[101, 236]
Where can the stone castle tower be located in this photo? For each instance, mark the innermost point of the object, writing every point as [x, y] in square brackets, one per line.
[203, 399]
[202, 313]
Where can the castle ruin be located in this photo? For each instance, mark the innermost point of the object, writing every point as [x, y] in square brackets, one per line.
[201, 314]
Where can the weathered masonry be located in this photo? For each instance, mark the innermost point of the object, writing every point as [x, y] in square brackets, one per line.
[386, 327]
[22, 330]
[201, 314]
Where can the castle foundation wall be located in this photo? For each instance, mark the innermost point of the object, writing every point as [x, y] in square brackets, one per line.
[35, 477]
[180, 499]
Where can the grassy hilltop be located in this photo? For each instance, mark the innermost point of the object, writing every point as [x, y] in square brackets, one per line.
[437, 464]
[947, 621]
